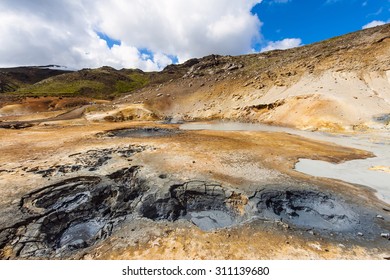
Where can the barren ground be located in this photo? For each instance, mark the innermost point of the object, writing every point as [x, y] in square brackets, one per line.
[242, 163]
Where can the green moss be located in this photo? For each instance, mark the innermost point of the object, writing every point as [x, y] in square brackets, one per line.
[137, 81]
[63, 88]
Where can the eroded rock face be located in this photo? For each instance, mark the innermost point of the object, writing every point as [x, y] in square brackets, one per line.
[74, 213]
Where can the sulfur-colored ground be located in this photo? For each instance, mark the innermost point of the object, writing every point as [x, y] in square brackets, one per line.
[243, 160]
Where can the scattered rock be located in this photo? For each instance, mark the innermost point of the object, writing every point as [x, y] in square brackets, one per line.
[385, 235]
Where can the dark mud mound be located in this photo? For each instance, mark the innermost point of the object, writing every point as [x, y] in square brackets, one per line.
[206, 205]
[142, 132]
[212, 206]
[61, 219]
[16, 125]
[312, 210]
[90, 160]
[74, 213]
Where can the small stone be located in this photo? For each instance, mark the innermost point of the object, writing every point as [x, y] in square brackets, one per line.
[385, 235]
[360, 234]
[379, 217]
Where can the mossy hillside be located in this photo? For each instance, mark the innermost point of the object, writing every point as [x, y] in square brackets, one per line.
[103, 83]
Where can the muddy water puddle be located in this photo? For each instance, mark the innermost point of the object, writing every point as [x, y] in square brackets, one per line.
[311, 210]
[211, 219]
[206, 205]
[141, 132]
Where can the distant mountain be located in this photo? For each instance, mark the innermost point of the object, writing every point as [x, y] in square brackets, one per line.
[51, 80]
[11, 79]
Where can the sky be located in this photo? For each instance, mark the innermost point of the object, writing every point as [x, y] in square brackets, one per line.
[150, 34]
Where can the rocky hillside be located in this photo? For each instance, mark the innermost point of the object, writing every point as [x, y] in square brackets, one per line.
[11, 79]
[103, 82]
[338, 84]
[341, 83]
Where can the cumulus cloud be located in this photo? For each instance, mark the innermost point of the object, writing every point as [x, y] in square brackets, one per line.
[65, 31]
[374, 23]
[282, 44]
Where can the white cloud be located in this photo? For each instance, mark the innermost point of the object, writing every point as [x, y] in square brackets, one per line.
[190, 28]
[377, 13]
[64, 31]
[374, 23]
[284, 44]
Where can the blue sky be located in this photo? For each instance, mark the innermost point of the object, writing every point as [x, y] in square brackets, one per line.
[150, 34]
[316, 20]
[308, 21]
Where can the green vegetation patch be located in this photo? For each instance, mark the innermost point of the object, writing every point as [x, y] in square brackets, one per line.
[49, 87]
[136, 81]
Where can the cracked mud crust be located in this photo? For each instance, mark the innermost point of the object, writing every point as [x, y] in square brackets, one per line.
[84, 178]
[233, 194]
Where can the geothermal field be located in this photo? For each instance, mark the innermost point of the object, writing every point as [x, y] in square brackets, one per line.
[275, 155]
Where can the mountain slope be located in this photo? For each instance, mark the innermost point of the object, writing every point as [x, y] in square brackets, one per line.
[341, 83]
[11, 79]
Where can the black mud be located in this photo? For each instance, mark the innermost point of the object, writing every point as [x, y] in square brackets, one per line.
[72, 214]
[141, 132]
[207, 205]
[310, 209]
[61, 219]
[16, 125]
[211, 206]
[90, 160]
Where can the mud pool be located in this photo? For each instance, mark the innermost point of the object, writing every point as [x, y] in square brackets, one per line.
[79, 212]
[362, 172]
[102, 193]
[141, 132]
